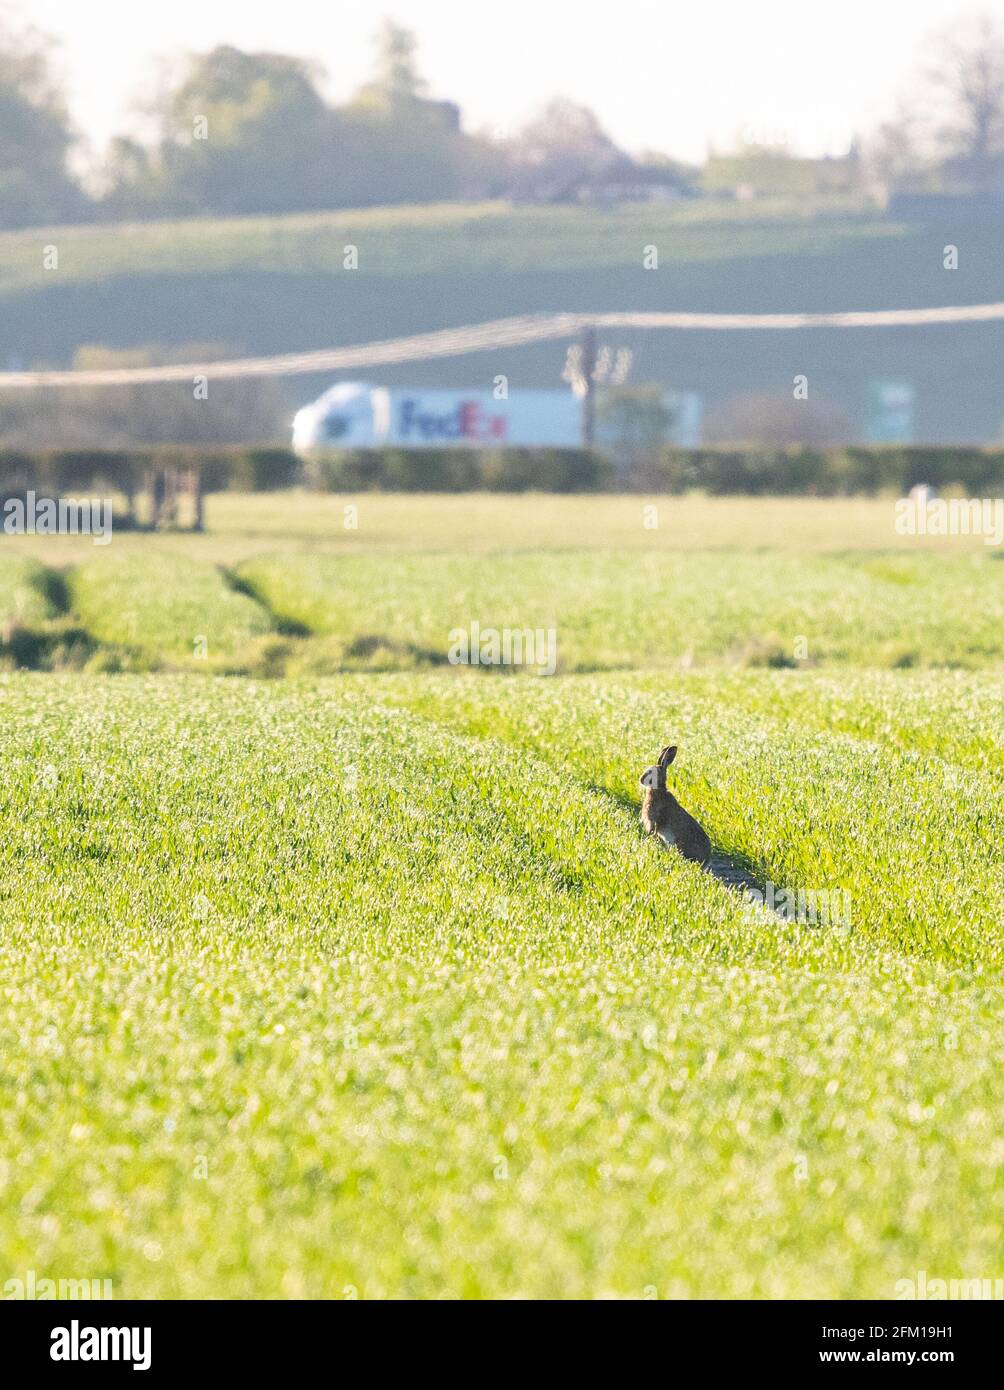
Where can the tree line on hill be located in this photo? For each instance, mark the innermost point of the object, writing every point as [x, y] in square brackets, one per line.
[237, 133]
[233, 133]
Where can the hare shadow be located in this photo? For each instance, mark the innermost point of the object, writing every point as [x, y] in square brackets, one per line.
[733, 870]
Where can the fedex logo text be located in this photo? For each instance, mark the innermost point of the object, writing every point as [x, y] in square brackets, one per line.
[467, 421]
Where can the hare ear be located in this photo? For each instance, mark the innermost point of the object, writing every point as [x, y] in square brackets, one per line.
[667, 755]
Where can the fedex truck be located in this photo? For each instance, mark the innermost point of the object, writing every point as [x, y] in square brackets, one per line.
[357, 415]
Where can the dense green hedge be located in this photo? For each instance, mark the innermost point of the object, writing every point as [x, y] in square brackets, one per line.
[822, 472]
[64, 471]
[461, 470]
[829, 472]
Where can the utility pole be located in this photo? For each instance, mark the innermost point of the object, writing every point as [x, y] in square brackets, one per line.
[589, 397]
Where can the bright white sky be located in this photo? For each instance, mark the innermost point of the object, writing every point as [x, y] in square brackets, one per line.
[660, 74]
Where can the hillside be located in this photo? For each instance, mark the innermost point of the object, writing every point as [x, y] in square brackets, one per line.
[262, 285]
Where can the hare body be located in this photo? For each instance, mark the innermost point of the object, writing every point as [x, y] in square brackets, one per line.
[662, 814]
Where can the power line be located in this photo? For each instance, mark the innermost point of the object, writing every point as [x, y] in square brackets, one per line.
[498, 333]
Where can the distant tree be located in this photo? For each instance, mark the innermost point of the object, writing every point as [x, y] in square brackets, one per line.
[951, 128]
[35, 135]
[633, 418]
[131, 181]
[237, 411]
[687, 176]
[396, 73]
[766, 418]
[899, 153]
[632, 425]
[561, 148]
[969, 77]
[250, 132]
[406, 146]
[243, 132]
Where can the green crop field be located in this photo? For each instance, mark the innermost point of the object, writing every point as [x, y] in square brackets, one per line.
[330, 969]
[456, 237]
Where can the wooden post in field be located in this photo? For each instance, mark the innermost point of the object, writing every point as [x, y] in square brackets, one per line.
[170, 512]
[129, 492]
[158, 489]
[150, 488]
[195, 488]
[589, 398]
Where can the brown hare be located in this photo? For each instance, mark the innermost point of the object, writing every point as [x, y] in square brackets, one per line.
[662, 814]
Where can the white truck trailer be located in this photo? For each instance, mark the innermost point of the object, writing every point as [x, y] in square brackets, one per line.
[358, 415]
